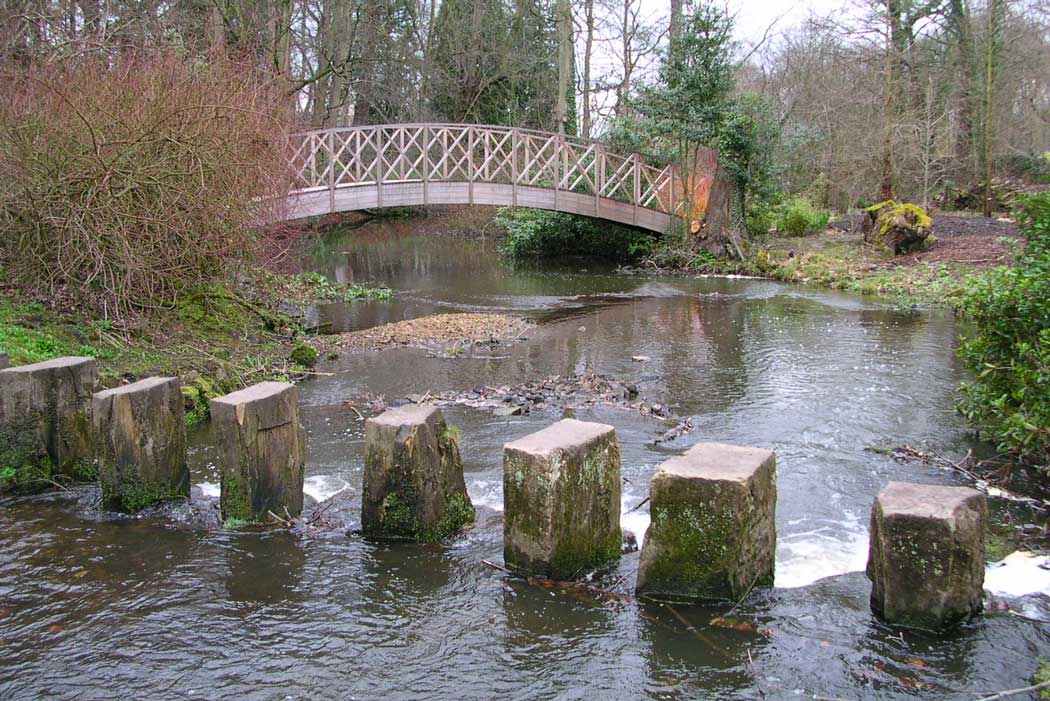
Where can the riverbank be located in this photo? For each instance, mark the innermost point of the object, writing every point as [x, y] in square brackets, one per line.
[838, 258]
[215, 339]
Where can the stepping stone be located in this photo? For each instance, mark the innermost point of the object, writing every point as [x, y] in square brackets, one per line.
[713, 529]
[926, 554]
[262, 450]
[141, 432]
[413, 483]
[561, 494]
[45, 423]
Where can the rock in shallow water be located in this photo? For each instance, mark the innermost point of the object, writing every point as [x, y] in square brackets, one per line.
[713, 530]
[926, 557]
[45, 421]
[262, 451]
[561, 490]
[141, 440]
[413, 483]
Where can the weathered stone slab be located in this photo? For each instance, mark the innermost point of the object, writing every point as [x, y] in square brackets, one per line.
[262, 447]
[45, 423]
[561, 495]
[713, 530]
[926, 554]
[413, 483]
[4, 362]
[141, 438]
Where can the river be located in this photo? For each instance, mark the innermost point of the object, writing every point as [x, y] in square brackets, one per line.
[94, 609]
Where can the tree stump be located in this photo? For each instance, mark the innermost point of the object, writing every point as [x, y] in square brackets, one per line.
[897, 227]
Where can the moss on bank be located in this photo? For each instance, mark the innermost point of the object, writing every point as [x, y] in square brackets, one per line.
[215, 339]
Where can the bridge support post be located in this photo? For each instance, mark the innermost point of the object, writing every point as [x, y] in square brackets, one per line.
[561, 496]
[141, 435]
[514, 141]
[331, 172]
[713, 531]
[263, 448]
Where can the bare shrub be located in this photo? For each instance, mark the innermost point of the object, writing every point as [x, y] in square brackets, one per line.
[127, 181]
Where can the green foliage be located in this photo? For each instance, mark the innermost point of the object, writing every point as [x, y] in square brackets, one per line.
[537, 233]
[30, 334]
[1008, 400]
[798, 217]
[304, 354]
[1042, 676]
[314, 286]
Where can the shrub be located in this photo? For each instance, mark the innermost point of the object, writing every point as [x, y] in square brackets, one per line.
[1008, 400]
[798, 217]
[537, 233]
[129, 178]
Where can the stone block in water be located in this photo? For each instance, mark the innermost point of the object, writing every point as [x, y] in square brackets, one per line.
[713, 530]
[926, 554]
[45, 423]
[561, 496]
[413, 483]
[262, 449]
[141, 443]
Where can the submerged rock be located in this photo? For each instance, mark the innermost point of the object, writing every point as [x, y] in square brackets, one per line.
[45, 422]
[262, 450]
[926, 557]
[561, 493]
[141, 440]
[413, 482]
[713, 529]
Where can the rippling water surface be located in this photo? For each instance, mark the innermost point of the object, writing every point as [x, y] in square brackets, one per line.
[93, 609]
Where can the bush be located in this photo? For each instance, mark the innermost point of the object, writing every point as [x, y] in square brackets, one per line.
[538, 233]
[798, 217]
[1008, 400]
[130, 178]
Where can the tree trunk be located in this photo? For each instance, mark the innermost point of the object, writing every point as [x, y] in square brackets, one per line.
[563, 19]
[587, 50]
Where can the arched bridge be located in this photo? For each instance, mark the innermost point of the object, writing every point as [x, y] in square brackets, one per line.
[394, 165]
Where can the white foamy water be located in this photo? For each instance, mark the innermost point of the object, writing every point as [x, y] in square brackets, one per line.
[486, 494]
[804, 558]
[321, 487]
[1018, 574]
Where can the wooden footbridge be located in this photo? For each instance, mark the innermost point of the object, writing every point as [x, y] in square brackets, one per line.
[396, 165]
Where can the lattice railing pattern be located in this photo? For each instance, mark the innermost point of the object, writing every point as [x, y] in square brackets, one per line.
[405, 153]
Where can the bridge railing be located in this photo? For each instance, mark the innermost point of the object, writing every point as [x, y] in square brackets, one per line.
[348, 157]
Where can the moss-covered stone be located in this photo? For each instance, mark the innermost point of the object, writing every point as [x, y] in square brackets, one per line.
[141, 435]
[46, 409]
[262, 452]
[713, 528]
[561, 493]
[304, 354]
[926, 558]
[898, 227]
[413, 483]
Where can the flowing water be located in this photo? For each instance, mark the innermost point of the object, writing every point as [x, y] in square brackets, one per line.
[91, 609]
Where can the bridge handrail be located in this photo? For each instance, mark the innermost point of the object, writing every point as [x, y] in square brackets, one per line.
[650, 158]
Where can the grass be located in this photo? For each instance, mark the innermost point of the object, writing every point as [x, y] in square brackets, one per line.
[216, 339]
